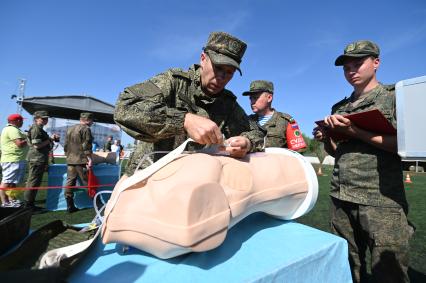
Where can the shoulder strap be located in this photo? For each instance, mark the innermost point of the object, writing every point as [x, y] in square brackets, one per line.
[286, 116]
[389, 87]
[176, 72]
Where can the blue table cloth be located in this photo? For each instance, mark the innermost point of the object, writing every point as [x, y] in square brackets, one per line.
[106, 174]
[258, 249]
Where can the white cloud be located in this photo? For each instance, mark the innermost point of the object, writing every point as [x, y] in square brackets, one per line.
[170, 44]
[404, 38]
[295, 71]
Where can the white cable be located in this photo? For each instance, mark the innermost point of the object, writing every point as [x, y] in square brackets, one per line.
[98, 211]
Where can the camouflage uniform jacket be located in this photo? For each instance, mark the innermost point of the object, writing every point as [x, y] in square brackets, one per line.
[36, 135]
[78, 144]
[274, 129]
[154, 111]
[362, 173]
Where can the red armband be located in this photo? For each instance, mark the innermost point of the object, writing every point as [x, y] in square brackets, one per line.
[294, 136]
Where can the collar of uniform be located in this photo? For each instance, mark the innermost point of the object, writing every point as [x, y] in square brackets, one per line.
[255, 117]
[370, 96]
[201, 97]
[272, 121]
[194, 74]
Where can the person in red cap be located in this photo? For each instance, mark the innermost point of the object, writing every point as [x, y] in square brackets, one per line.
[14, 151]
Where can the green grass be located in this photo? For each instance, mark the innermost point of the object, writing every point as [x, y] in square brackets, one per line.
[317, 218]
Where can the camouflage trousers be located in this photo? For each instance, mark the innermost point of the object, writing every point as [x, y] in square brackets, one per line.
[383, 230]
[35, 176]
[73, 172]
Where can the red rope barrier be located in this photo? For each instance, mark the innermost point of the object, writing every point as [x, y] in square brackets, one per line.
[57, 187]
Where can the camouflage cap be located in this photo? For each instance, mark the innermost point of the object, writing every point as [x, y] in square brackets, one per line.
[86, 115]
[225, 49]
[41, 114]
[358, 49]
[260, 86]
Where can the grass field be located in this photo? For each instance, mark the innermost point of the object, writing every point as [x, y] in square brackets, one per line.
[318, 217]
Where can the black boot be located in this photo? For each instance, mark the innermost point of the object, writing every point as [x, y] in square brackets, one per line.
[70, 205]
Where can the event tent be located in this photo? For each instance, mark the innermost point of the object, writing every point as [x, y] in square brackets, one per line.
[70, 107]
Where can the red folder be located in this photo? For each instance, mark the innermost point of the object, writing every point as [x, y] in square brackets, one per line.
[372, 121]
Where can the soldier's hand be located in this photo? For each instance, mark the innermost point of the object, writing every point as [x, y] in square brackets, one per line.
[55, 138]
[202, 130]
[238, 146]
[339, 123]
[319, 133]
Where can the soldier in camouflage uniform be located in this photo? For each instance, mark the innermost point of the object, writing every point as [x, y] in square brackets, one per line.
[368, 204]
[78, 149]
[108, 144]
[165, 110]
[272, 123]
[38, 155]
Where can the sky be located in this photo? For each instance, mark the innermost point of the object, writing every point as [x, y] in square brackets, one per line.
[99, 47]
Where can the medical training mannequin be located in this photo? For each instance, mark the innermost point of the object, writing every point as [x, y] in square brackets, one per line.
[190, 204]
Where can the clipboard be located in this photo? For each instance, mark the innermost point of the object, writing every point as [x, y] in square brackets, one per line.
[372, 121]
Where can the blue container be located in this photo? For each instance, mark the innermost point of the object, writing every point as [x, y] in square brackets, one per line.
[105, 173]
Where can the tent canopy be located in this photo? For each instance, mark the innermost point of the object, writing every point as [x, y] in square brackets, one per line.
[70, 107]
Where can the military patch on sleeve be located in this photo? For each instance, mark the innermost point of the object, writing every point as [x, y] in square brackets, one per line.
[147, 88]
